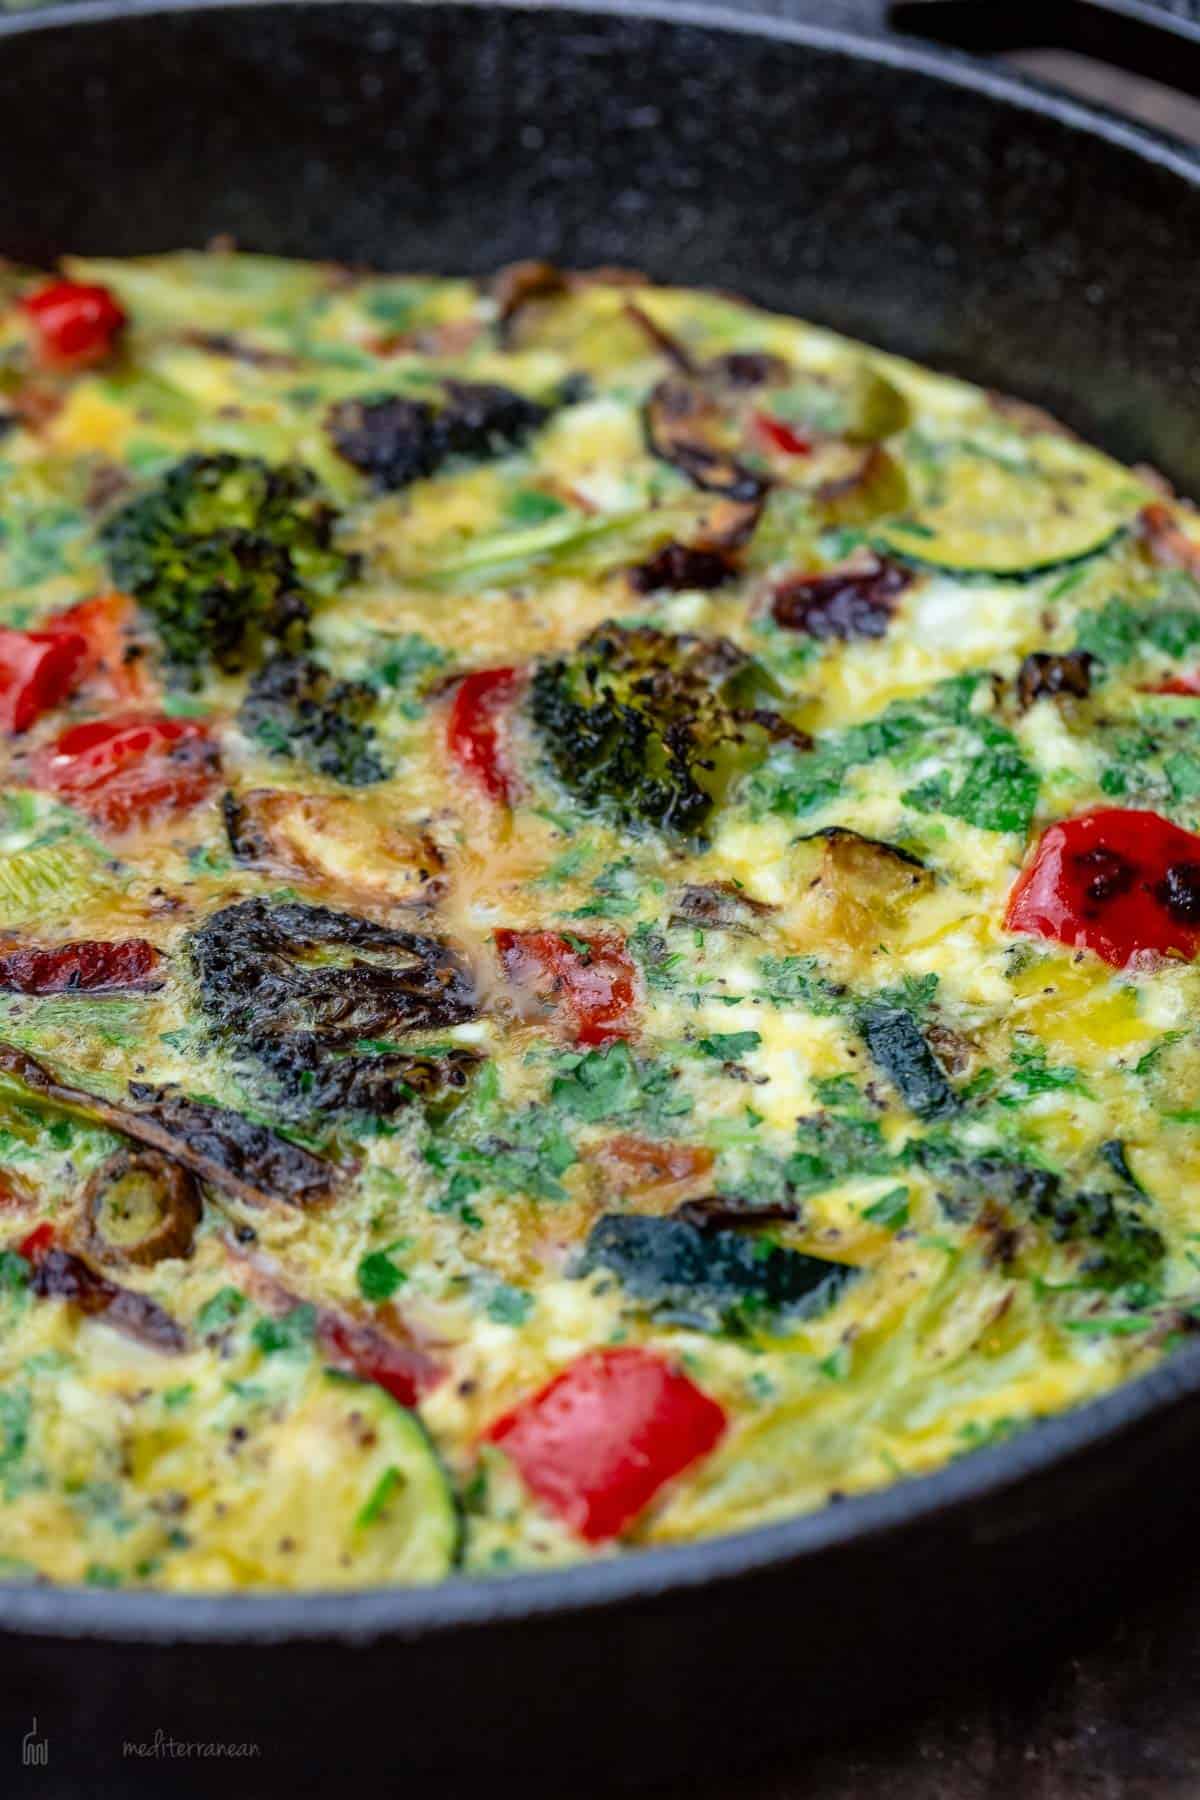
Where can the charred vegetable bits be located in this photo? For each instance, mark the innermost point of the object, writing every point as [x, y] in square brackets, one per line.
[649, 728]
[396, 441]
[599, 921]
[226, 555]
[267, 991]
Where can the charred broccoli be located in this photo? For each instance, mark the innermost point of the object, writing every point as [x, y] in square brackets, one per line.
[397, 441]
[1106, 1218]
[226, 553]
[294, 707]
[324, 1030]
[652, 729]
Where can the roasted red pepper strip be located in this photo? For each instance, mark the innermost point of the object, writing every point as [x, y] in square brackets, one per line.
[38, 669]
[1178, 684]
[594, 978]
[76, 323]
[125, 771]
[112, 660]
[602, 1438]
[475, 734]
[401, 1370]
[782, 436]
[86, 967]
[36, 1244]
[637, 1165]
[1120, 883]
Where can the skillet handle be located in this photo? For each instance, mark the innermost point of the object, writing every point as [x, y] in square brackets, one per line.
[1157, 39]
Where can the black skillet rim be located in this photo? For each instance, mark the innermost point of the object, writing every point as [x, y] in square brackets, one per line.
[415, 1613]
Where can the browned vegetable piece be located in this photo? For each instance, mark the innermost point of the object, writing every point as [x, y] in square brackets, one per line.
[679, 566]
[711, 557]
[1042, 675]
[383, 1350]
[331, 839]
[849, 603]
[256, 356]
[83, 966]
[234, 1154]
[663, 340]
[635, 1165]
[858, 885]
[748, 368]
[687, 427]
[141, 1207]
[61, 1275]
[712, 1212]
[719, 907]
[870, 858]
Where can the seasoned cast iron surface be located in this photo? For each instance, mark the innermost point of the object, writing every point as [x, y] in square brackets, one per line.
[923, 216]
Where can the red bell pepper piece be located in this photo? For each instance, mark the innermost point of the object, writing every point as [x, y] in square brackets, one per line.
[125, 771]
[594, 979]
[475, 733]
[35, 1245]
[402, 1370]
[38, 669]
[599, 1441]
[76, 323]
[782, 436]
[86, 967]
[112, 659]
[1120, 883]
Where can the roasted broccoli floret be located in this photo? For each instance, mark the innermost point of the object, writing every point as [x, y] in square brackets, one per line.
[652, 729]
[1118, 1244]
[295, 707]
[227, 554]
[326, 1031]
[396, 441]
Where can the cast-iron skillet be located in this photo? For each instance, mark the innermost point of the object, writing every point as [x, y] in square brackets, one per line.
[916, 200]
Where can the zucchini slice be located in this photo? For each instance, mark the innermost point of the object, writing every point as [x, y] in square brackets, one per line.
[1013, 510]
[344, 1490]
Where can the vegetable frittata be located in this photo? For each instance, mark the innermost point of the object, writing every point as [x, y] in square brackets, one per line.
[599, 894]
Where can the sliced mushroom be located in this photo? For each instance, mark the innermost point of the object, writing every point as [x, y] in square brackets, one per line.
[220, 1146]
[686, 427]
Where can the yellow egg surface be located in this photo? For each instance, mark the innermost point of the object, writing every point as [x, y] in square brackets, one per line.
[598, 905]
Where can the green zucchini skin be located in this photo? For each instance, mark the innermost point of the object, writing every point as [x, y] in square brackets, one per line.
[1009, 510]
[714, 1278]
[895, 1041]
[927, 560]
